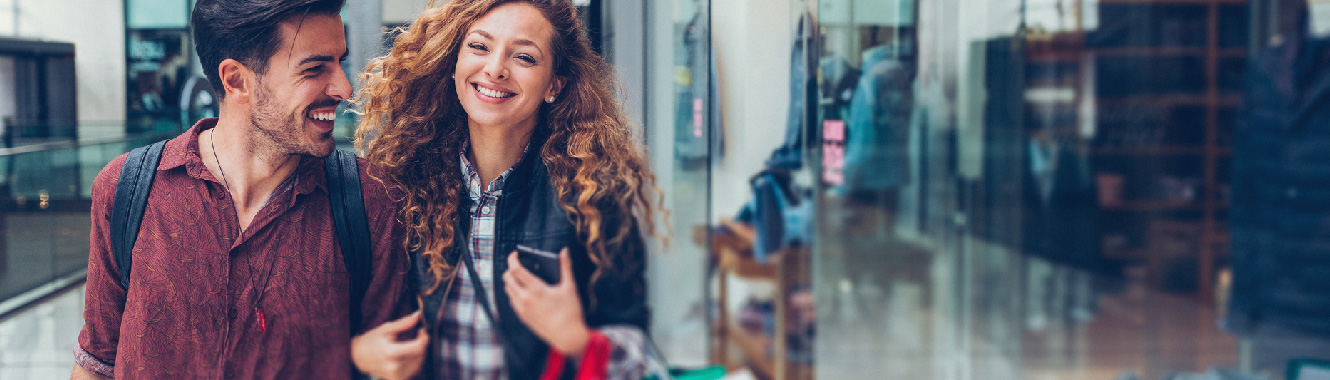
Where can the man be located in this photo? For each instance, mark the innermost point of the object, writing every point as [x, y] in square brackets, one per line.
[236, 270]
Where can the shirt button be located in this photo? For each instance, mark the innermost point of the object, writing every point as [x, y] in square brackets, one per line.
[232, 314]
[486, 209]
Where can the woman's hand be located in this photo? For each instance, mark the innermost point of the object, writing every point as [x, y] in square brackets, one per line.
[379, 353]
[552, 312]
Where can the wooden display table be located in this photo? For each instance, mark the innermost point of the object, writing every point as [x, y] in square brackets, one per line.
[787, 268]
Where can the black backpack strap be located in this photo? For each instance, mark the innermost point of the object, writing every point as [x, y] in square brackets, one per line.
[352, 227]
[131, 198]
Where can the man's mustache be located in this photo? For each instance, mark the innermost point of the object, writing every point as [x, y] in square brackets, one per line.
[328, 102]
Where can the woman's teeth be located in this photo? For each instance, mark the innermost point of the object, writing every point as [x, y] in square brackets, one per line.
[493, 93]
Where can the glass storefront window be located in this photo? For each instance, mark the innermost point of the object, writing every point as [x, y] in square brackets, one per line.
[166, 89]
[678, 60]
[1039, 189]
[1067, 189]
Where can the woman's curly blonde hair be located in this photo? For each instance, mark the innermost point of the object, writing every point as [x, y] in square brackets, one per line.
[412, 127]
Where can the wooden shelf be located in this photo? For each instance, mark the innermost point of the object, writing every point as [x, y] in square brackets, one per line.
[1069, 51]
[1169, 100]
[1166, 52]
[1159, 206]
[1153, 206]
[1163, 150]
[1076, 54]
[786, 268]
[1054, 56]
[1201, 2]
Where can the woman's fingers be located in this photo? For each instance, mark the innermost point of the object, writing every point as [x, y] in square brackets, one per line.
[520, 275]
[565, 267]
[412, 347]
[421, 342]
[517, 292]
[402, 324]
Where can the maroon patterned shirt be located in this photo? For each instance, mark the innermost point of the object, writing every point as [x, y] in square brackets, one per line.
[197, 282]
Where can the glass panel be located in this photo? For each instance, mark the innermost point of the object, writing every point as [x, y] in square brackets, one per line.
[1047, 189]
[159, 72]
[45, 200]
[157, 13]
[678, 99]
[760, 184]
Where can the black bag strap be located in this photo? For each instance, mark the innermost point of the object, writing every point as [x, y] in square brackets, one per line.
[131, 199]
[483, 296]
[480, 287]
[348, 212]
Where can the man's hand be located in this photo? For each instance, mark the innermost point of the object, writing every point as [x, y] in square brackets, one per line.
[83, 374]
[553, 312]
[379, 353]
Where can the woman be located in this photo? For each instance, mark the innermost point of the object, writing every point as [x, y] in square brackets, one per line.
[498, 125]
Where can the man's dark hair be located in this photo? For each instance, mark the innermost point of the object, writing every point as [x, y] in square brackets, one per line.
[246, 31]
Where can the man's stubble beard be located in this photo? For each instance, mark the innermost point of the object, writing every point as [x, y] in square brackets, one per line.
[281, 132]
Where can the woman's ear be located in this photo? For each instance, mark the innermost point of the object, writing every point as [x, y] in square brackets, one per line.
[237, 80]
[556, 87]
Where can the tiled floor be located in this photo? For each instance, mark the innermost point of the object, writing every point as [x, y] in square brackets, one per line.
[38, 343]
[908, 334]
[897, 312]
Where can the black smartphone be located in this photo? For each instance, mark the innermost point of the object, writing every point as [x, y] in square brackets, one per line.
[543, 264]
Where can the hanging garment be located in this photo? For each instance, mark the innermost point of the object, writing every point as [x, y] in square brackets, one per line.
[876, 156]
[803, 59]
[1280, 208]
[697, 99]
[1060, 209]
[836, 87]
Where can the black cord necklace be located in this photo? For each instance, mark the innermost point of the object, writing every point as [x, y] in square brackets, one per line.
[261, 291]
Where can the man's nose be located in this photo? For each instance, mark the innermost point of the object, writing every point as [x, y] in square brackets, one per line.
[340, 88]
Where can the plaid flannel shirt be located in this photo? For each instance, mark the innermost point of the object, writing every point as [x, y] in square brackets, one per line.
[474, 350]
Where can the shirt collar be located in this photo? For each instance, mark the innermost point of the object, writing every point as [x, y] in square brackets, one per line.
[495, 187]
[184, 151]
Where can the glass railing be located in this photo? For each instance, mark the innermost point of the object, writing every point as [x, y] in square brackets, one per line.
[46, 200]
[45, 203]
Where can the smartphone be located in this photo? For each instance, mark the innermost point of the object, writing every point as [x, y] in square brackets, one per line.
[543, 264]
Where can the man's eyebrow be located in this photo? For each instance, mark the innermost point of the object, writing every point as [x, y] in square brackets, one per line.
[321, 58]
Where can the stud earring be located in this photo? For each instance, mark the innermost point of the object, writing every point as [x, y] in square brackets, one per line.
[549, 99]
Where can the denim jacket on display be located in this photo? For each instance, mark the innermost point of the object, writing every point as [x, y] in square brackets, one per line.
[803, 87]
[878, 130]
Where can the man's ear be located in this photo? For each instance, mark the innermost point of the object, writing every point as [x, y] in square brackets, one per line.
[238, 81]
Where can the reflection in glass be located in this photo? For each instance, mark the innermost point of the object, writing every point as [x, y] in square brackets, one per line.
[1042, 189]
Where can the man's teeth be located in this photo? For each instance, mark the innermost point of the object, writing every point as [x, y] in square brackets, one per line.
[493, 93]
[325, 116]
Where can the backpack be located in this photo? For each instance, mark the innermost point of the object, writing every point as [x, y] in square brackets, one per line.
[345, 199]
